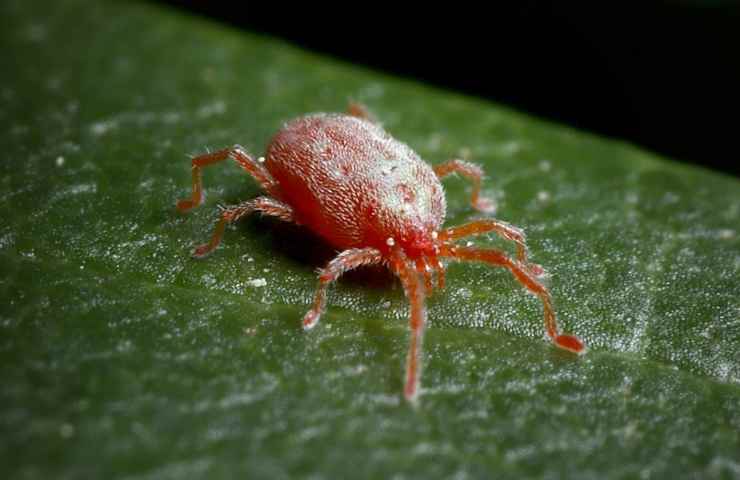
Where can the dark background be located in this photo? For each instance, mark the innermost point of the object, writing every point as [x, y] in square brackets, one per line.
[660, 74]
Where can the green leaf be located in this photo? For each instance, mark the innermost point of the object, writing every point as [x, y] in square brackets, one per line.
[123, 357]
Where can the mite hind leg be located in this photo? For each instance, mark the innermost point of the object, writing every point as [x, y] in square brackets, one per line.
[265, 205]
[344, 262]
[254, 167]
[526, 278]
[472, 172]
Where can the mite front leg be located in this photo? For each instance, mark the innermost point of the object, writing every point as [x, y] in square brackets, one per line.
[502, 229]
[345, 261]
[256, 169]
[440, 269]
[425, 270]
[526, 278]
[472, 172]
[266, 205]
[414, 290]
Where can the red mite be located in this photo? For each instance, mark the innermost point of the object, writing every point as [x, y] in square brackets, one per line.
[376, 201]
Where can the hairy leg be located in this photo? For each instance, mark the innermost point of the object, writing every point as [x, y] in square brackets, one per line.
[255, 168]
[359, 110]
[472, 172]
[345, 261]
[526, 278]
[440, 269]
[265, 205]
[425, 270]
[502, 229]
[414, 290]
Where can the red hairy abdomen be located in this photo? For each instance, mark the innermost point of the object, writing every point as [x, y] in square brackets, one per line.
[350, 182]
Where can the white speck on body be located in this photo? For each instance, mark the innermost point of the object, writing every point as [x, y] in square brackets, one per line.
[543, 195]
[59, 161]
[390, 242]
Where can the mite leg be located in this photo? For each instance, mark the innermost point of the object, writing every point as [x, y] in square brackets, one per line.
[526, 278]
[359, 110]
[473, 173]
[265, 205]
[255, 168]
[414, 290]
[425, 270]
[345, 261]
[440, 269]
[502, 229]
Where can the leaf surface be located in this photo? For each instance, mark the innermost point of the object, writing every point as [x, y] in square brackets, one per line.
[122, 357]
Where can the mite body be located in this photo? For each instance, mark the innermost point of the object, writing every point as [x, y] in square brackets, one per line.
[376, 201]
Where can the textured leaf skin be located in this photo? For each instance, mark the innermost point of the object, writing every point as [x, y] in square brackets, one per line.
[122, 357]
